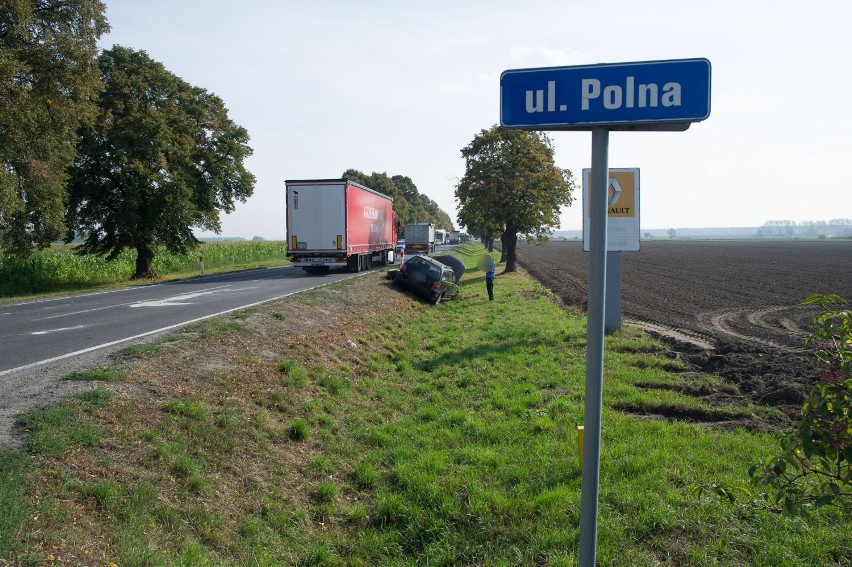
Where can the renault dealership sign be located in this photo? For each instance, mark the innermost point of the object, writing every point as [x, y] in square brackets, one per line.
[622, 209]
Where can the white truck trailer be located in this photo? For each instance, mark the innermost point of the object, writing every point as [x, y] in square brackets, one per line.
[420, 238]
[336, 222]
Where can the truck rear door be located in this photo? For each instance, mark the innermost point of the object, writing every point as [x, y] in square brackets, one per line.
[316, 217]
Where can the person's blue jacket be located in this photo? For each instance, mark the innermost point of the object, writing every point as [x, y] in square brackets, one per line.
[490, 270]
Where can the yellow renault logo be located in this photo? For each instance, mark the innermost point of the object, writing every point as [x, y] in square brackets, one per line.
[622, 194]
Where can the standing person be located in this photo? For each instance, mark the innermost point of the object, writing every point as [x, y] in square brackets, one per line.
[490, 272]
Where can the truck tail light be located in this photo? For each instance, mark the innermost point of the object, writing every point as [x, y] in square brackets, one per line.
[294, 243]
[340, 242]
[295, 259]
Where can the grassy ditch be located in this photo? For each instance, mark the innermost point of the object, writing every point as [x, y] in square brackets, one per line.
[58, 269]
[357, 425]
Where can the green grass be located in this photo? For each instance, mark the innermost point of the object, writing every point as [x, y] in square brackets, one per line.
[105, 374]
[142, 350]
[15, 467]
[295, 374]
[452, 442]
[299, 430]
[191, 409]
[57, 428]
[210, 328]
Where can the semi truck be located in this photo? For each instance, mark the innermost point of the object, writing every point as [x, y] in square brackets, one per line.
[420, 238]
[455, 237]
[336, 222]
[439, 236]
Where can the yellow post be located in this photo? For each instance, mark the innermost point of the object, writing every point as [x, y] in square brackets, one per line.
[580, 445]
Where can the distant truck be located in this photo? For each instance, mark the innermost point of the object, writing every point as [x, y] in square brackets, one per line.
[439, 236]
[455, 237]
[420, 238]
[335, 222]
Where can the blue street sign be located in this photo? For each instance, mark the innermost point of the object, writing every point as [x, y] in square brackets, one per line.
[631, 96]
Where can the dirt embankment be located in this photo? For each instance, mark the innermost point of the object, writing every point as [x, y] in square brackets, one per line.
[730, 308]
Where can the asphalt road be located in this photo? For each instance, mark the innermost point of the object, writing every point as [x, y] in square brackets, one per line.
[37, 333]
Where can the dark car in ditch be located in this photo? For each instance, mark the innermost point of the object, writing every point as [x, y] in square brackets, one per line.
[427, 278]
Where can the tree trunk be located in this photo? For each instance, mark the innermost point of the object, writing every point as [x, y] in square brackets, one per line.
[510, 250]
[144, 262]
[489, 241]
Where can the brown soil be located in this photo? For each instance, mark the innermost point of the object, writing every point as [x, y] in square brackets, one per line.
[729, 308]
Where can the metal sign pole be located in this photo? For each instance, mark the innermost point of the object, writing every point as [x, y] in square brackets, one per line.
[613, 291]
[601, 98]
[598, 199]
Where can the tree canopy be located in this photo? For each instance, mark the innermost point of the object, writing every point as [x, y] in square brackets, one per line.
[161, 157]
[409, 204]
[511, 186]
[49, 81]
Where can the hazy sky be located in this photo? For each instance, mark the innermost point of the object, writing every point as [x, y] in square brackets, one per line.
[402, 86]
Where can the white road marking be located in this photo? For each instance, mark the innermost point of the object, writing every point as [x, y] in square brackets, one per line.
[138, 287]
[163, 329]
[70, 313]
[59, 330]
[177, 299]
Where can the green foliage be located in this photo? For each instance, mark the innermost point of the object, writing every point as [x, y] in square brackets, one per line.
[60, 268]
[511, 186]
[48, 82]
[814, 467]
[174, 159]
[409, 204]
[831, 333]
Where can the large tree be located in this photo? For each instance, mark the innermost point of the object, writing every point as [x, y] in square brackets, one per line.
[161, 158]
[49, 81]
[512, 184]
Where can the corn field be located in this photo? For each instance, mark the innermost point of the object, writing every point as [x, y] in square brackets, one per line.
[59, 268]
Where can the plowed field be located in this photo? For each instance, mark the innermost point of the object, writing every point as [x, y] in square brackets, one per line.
[731, 308]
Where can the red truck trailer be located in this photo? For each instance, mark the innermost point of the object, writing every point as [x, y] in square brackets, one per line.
[335, 222]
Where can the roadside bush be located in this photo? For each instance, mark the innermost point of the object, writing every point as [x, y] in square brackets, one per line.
[814, 467]
[60, 267]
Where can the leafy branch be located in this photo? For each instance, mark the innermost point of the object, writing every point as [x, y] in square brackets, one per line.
[814, 467]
